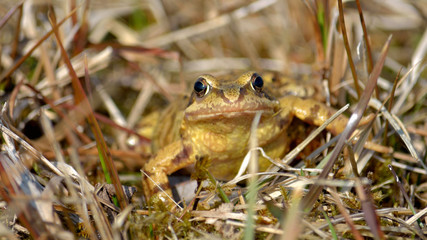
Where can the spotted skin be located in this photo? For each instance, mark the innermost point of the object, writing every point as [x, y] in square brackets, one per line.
[216, 123]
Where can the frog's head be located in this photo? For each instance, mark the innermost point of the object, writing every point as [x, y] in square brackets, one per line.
[214, 98]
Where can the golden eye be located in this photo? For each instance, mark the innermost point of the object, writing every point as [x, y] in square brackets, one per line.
[257, 82]
[201, 87]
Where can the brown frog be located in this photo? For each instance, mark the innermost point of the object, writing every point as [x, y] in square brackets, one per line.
[216, 124]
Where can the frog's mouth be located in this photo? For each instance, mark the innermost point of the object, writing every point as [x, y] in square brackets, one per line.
[227, 112]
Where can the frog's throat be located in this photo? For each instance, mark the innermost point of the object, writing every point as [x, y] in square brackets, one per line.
[207, 114]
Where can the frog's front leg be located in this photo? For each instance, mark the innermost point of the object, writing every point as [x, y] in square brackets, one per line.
[314, 112]
[169, 159]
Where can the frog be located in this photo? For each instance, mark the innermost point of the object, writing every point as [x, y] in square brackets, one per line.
[216, 123]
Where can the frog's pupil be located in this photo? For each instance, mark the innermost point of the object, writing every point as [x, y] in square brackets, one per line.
[258, 82]
[199, 86]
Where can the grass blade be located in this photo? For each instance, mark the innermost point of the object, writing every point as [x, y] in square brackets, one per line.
[82, 98]
[315, 190]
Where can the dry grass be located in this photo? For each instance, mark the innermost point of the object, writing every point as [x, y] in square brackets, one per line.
[77, 76]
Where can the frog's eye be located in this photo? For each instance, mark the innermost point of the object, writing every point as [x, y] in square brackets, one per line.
[257, 82]
[201, 87]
